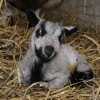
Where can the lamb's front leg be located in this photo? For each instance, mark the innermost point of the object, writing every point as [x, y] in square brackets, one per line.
[25, 66]
[58, 80]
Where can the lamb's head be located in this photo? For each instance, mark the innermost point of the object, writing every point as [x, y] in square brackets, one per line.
[47, 36]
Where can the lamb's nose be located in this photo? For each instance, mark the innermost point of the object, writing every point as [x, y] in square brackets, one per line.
[49, 50]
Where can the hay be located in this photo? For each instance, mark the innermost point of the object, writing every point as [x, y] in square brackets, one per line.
[14, 43]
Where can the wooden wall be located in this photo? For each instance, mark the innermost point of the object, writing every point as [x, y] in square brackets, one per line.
[88, 10]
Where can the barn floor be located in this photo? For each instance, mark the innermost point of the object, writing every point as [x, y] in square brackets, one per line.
[14, 43]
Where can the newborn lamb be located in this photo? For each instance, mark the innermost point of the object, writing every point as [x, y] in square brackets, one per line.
[48, 59]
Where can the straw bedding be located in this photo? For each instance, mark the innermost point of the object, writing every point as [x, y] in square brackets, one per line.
[14, 43]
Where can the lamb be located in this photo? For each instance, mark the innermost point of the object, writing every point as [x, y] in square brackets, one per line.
[48, 59]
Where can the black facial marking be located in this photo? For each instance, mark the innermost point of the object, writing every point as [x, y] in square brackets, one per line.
[38, 34]
[36, 74]
[41, 31]
[41, 56]
[60, 37]
[79, 76]
[38, 52]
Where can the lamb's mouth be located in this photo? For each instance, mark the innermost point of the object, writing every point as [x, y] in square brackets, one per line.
[43, 57]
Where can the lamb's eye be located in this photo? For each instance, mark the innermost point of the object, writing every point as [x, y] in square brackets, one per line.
[38, 33]
[60, 37]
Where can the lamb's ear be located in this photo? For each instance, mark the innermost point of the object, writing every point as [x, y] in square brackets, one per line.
[32, 17]
[70, 30]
